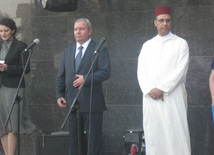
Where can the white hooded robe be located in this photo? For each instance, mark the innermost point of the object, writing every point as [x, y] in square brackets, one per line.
[163, 65]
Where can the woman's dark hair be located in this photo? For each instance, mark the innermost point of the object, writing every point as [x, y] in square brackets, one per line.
[9, 23]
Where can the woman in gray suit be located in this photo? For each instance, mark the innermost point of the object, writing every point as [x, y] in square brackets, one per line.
[12, 60]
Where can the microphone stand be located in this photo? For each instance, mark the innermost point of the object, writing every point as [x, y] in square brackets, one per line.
[75, 99]
[96, 52]
[17, 99]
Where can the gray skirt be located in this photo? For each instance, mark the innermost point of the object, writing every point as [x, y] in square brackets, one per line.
[6, 98]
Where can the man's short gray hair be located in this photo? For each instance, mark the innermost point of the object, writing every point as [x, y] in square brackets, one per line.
[86, 20]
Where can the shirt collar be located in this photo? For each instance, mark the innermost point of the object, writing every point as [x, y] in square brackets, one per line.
[85, 45]
[163, 38]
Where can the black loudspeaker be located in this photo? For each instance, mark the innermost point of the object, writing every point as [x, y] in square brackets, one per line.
[59, 5]
[52, 144]
[56, 143]
[134, 138]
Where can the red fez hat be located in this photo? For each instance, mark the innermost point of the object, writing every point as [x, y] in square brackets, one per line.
[162, 10]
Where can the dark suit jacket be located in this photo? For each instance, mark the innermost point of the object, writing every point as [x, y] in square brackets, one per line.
[66, 76]
[13, 59]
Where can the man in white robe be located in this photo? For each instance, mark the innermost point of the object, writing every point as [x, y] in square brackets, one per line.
[162, 69]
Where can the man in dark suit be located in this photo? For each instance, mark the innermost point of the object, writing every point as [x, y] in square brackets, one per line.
[91, 99]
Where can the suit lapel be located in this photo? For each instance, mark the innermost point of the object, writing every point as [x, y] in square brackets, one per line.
[10, 52]
[72, 57]
[89, 51]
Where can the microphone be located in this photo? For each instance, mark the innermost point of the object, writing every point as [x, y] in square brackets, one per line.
[34, 43]
[102, 41]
